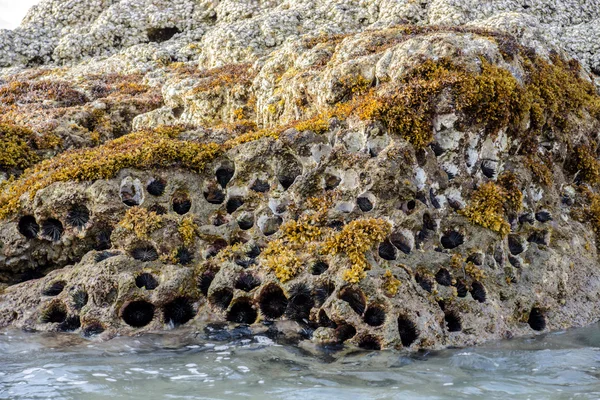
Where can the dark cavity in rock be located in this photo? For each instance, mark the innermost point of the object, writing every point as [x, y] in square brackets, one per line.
[260, 186]
[54, 289]
[242, 312]
[104, 255]
[425, 282]
[428, 222]
[443, 277]
[401, 242]
[78, 216]
[221, 298]
[527, 218]
[322, 291]
[543, 216]
[246, 221]
[288, 170]
[205, 281]
[80, 299]
[178, 311]
[247, 281]
[158, 209]
[478, 292]
[56, 312]
[70, 324]
[145, 253]
[52, 229]
[319, 267]
[461, 288]
[300, 303]
[138, 313]
[224, 175]
[407, 330]
[214, 195]
[184, 256]
[536, 320]
[539, 237]
[156, 187]
[355, 298]
[453, 322]
[476, 258]
[345, 332]
[28, 227]
[364, 204]
[375, 315]
[159, 35]
[489, 168]
[92, 329]
[146, 280]
[387, 251]
[272, 301]
[103, 240]
[233, 204]
[325, 321]
[369, 342]
[332, 181]
[452, 239]
[515, 244]
[181, 203]
[271, 225]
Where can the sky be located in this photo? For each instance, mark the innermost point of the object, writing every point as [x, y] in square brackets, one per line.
[13, 11]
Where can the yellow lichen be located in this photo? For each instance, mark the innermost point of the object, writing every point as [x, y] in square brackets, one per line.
[474, 272]
[486, 208]
[390, 284]
[141, 221]
[188, 230]
[16, 148]
[282, 260]
[587, 164]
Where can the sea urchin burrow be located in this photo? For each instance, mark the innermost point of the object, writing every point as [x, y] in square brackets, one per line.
[55, 312]
[78, 216]
[146, 280]
[461, 288]
[319, 267]
[387, 251]
[424, 281]
[300, 303]
[205, 281]
[159, 35]
[345, 332]
[375, 315]
[536, 320]
[103, 240]
[543, 216]
[443, 277]
[331, 181]
[260, 186]
[369, 342]
[245, 221]
[233, 204]
[158, 209]
[403, 241]
[181, 202]
[407, 330]
[184, 256]
[145, 253]
[214, 195]
[52, 229]
[516, 245]
[540, 237]
[288, 169]
[453, 323]
[28, 227]
[272, 301]
[269, 225]
[70, 324]
[365, 202]
[138, 313]
[178, 311]
[104, 255]
[355, 298]
[156, 187]
[452, 239]
[429, 222]
[324, 320]
[54, 289]
[131, 192]
[478, 291]
[489, 168]
[322, 291]
[242, 312]
[80, 299]
[247, 281]
[225, 173]
[221, 298]
[92, 328]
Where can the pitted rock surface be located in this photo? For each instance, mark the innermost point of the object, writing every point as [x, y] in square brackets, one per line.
[413, 174]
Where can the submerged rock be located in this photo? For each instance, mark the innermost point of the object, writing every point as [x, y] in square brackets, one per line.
[322, 181]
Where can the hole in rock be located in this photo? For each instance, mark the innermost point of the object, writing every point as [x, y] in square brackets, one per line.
[260, 186]
[319, 267]
[536, 320]
[476, 258]
[56, 312]
[374, 316]
[224, 174]
[425, 282]
[288, 170]
[271, 225]
[489, 168]
[52, 229]
[54, 289]
[184, 256]
[322, 291]
[539, 237]
[428, 222]
[515, 245]
[156, 187]
[219, 219]
[336, 224]
[246, 221]
[443, 277]
[80, 299]
[158, 35]
[92, 329]
[178, 111]
[214, 195]
[146, 281]
[478, 291]
[247, 281]
[369, 342]
[104, 255]
[345, 332]
[364, 203]
[103, 240]
[78, 216]
[205, 281]
[28, 227]
[543, 216]
[325, 321]
[221, 298]
[527, 218]
[138, 313]
[453, 323]
[131, 192]
[181, 203]
[70, 324]
[242, 312]
[355, 298]
[461, 288]
[272, 302]
[145, 253]
[300, 303]
[233, 204]
[387, 251]
[332, 181]
[407, 330]
[178, 311]
[158, 209]
[402, 242]
[452, 239]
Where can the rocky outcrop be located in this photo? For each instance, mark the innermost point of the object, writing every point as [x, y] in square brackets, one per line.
[402, 186]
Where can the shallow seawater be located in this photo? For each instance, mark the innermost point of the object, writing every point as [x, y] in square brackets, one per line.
[560, 365]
